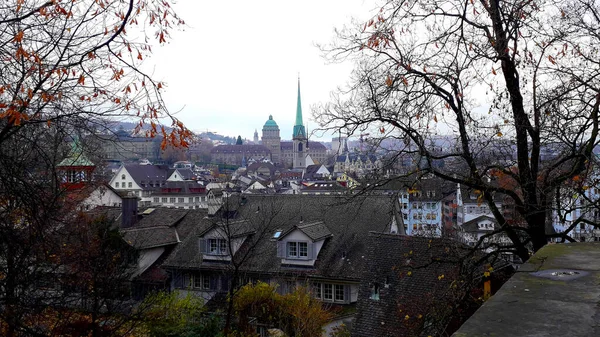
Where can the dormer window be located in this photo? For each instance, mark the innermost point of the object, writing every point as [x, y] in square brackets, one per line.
[215, 246]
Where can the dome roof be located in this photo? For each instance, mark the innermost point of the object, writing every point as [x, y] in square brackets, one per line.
[270, 124]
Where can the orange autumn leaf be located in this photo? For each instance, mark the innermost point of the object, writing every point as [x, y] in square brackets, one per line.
[139, 56]
[389, 81]
[81, 80]
[19, 37]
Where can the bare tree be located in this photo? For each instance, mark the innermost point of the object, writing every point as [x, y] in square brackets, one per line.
[506, 82]
[66, 68]
[80, 60]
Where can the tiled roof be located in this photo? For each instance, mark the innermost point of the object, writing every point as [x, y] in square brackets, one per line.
[160, 227]
[403, 296]
[160, 216]
[348, 220]
[239, 149]
[181, 187]
[148, 173]
[149, 237]
[352, 157]
[311, 170]
[234, 228]
[315, 231]
[431, 188]
[471, 225]
[186, 173]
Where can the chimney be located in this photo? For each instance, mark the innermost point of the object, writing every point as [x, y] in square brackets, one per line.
[129, 211]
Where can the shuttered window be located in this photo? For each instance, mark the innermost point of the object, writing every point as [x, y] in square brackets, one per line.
[301, 250]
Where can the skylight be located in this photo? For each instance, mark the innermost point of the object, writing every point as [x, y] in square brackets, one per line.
[277, 234]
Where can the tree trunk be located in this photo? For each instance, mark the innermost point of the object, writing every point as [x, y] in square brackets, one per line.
[230, 302]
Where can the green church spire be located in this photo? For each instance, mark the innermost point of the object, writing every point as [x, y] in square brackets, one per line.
[299, 131]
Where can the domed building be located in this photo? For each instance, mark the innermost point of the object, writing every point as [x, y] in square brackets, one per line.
[271, 139]
[293, 153]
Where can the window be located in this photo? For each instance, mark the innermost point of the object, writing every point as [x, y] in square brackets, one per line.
[297, 250]
[375, 291]
[198, 281]
[317, 293]
[122, 177]
[156, 199]
[292, 249]
[163, 199]
[191, 199]
[172, 200]
[302, 249]
[217, 247]
[117, 184]
[197, 199]
[180, 200]
[339, 292]
[328, 291]
[129, 184]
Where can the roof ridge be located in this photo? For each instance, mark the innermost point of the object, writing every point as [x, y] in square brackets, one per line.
[316, 222]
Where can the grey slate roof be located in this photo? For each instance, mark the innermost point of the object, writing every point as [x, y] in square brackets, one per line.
[181, 187]
[239, 149]
[390, 258]
[233, 228]
[161, 227]
[348, 220]
[147, 173]
[315, 230]
[160, 216]
[186, 173]
[149, 237]
[471, 225]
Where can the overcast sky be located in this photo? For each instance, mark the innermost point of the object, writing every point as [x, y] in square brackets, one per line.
[237, 62]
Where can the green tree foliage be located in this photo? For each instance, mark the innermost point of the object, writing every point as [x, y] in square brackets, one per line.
[297, 313]
[175, 315]
[239, 141]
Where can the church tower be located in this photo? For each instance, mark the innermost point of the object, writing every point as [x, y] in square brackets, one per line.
[299, 137]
